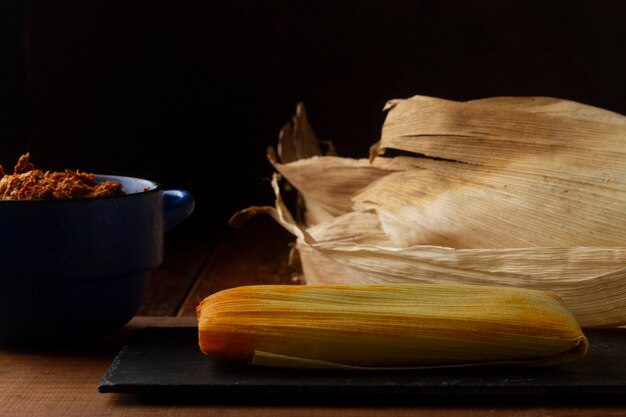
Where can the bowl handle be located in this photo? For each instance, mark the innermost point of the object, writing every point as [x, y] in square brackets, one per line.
[177, 206]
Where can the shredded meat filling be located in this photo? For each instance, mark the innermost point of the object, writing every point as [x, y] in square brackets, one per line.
[28, 183]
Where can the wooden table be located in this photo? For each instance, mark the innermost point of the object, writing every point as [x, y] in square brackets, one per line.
[62, 381]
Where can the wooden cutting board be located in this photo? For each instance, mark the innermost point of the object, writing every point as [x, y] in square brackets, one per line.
[166, 362]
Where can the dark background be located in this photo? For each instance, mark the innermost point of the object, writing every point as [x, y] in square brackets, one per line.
[138, 87]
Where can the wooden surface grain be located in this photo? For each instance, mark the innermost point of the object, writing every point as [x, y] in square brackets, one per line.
[63, 380]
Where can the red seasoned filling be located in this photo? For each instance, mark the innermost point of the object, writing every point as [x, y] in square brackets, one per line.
[28, 183]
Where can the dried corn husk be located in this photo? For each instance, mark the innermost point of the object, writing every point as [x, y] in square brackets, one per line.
[343, 177]
[522, 192]
[352, 249]
[326, 183]
[517, 173]
[388, 326]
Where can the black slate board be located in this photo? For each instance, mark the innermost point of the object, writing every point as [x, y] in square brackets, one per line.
[159, 363]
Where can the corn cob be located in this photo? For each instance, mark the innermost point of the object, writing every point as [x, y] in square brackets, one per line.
[388, 326]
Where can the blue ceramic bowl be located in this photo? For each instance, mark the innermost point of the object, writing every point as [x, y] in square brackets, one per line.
[71, 269]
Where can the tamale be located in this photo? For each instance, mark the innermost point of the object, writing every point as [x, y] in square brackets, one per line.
[390, 326]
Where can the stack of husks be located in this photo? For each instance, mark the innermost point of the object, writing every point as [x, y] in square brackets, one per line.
[501, 194]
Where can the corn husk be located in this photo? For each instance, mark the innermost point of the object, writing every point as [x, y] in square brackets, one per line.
[299, 158]
[552, 171]
[388, 326]
[512, 191]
